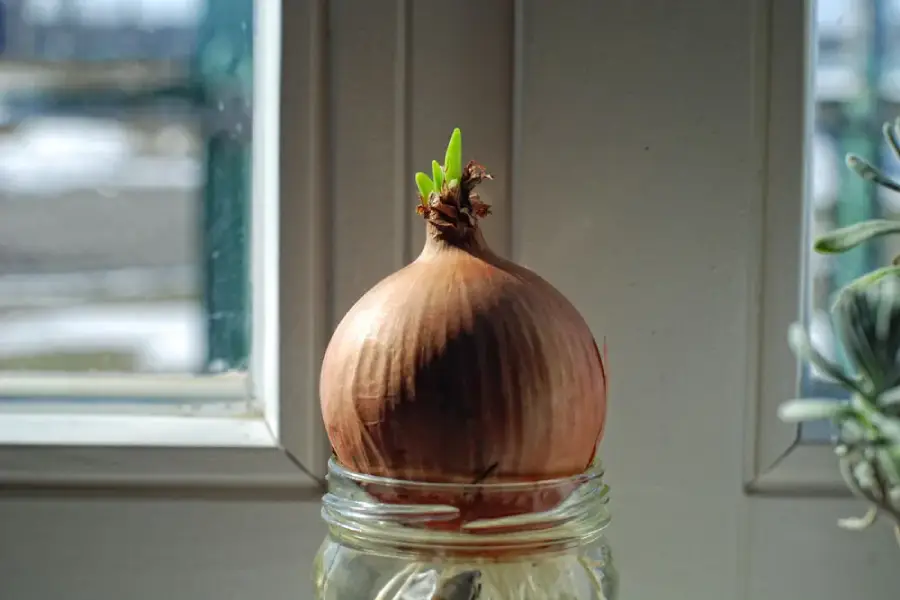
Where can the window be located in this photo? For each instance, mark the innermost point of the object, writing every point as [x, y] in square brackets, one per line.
[139, 245]
[856, 76]
[795, 72]
[126, 211]
[831, 82]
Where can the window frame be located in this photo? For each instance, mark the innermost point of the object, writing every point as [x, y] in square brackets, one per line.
[777, 461]
[275, 440]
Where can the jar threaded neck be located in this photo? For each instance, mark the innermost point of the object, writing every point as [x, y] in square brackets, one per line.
[491, 519]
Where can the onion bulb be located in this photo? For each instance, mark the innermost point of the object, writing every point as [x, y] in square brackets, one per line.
[462, 366]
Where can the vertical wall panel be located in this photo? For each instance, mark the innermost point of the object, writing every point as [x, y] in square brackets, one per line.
[636, 129]
[368, 140]
[462, 77]
[306, 281]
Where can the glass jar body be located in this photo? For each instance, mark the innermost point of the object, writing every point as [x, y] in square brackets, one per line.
[585, 572]
[392, 540]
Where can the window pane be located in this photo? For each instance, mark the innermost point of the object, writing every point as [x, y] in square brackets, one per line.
[856, 90]
[124, 185]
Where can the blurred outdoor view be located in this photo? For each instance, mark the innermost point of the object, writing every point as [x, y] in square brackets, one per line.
[124, 184]
[856, 89]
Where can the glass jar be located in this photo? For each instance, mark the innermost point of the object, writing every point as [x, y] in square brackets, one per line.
[396, 540]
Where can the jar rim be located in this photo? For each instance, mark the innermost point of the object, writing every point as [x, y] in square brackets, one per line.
[379, 513]
[594, 471]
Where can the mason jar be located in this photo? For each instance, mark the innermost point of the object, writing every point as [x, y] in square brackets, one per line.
[403, 540]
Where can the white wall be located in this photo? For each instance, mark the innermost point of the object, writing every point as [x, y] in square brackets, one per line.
[636, 188]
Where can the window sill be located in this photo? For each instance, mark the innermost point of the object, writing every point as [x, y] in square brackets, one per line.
[135, 431]
[177, 443]
[256, 436]
[156, 455]
[804, 470]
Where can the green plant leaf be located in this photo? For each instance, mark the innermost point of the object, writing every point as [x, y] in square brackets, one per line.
[425, 185]
[859, 523]
[799, 410]
[887, 464]
[846, 238]
[890, 134]
[867, 322]
[886, 427]
[803, 348]
[868, 172]
[865, 281]
[453, 158]
[853, 430]
[889, 400]
[438, 175]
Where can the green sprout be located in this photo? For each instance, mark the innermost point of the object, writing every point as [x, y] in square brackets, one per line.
[448, 175]
[426, 186]
[438, 173]
[453, 158]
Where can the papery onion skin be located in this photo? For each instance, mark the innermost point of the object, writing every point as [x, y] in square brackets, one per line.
[463, 367]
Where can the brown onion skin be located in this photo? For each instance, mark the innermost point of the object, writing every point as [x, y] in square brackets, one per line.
[464, 367]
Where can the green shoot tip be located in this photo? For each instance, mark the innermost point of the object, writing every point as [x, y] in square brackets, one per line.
[453, 158]
[425, 185]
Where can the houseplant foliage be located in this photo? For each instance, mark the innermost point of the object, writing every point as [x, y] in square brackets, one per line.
[866, 314]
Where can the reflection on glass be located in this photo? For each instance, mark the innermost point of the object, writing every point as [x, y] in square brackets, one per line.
[856, 89]
[124, 185]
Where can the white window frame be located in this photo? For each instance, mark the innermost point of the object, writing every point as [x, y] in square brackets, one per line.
[276, 439]
[776, 460]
